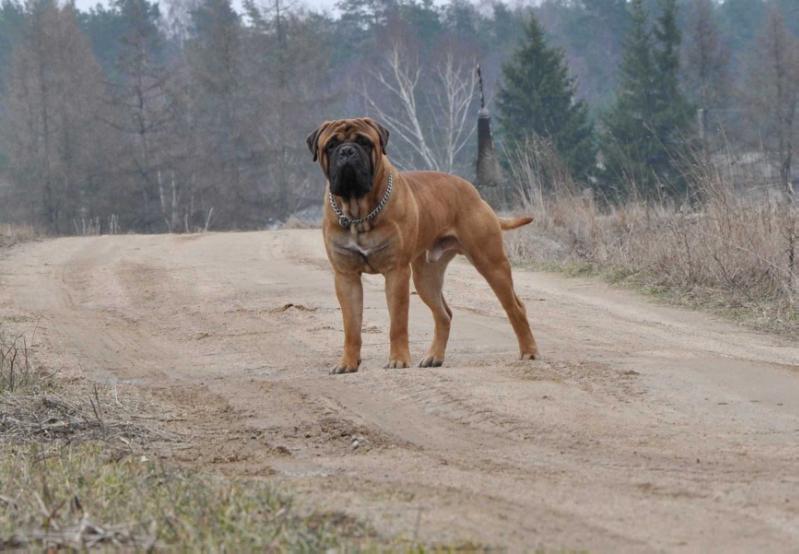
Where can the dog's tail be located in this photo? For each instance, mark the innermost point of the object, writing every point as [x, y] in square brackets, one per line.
[513, 222]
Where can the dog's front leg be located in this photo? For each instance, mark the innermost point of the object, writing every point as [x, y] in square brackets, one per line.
[398, 298]
[349, 291]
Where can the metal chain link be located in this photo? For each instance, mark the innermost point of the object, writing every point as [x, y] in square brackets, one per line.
[346, 222]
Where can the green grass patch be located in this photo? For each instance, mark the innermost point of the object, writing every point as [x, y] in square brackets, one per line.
[80, 496]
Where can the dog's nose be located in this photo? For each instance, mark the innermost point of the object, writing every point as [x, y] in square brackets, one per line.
[347, 151]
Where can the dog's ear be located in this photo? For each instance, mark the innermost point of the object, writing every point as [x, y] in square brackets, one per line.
[381, 131]
[313, 140]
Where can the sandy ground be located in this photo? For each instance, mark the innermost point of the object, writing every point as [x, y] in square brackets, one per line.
[643, 428]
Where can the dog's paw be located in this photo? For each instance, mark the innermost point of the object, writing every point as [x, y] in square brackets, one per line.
[397, 364]
[339, 369]
[431, 361]
[344, 367]
[534, 355]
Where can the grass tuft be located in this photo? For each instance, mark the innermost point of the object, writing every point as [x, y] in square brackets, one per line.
[78, 497]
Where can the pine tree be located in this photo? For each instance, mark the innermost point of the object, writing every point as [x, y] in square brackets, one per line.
[536, 97]
[646, 129]
[627, 142]
[673, 113]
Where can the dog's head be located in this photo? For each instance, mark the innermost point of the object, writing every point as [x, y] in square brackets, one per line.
[350, 152]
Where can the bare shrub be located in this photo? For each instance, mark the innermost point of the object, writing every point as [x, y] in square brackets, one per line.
[15, 367]
[539, 175]
[723, 250]
[67, 416]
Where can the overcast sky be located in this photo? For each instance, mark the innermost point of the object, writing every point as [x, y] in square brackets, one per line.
[327, 5]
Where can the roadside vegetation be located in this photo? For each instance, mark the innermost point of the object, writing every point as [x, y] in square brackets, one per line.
[83, 495]
[81, 467]
[724, 251]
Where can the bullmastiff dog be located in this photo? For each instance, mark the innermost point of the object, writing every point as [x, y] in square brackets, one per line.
[402, 225]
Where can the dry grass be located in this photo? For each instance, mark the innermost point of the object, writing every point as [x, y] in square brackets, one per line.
[64, 417]
[14, 234]
[726, 251]
[15, 369]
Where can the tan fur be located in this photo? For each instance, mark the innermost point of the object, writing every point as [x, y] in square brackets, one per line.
[429, 218]
[513, 223]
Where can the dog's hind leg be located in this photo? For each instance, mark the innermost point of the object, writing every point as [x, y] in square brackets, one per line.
[484, 248]
[428, 278]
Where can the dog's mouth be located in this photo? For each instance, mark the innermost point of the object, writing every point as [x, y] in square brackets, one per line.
[350, 178]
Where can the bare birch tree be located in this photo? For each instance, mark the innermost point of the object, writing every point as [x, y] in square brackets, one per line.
[428, 109]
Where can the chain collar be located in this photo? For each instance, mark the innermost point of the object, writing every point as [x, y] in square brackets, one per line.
[346, 222]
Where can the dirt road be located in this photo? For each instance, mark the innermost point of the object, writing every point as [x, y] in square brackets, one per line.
[643, 428]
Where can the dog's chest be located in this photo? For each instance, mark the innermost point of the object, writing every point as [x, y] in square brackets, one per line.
[361, 252]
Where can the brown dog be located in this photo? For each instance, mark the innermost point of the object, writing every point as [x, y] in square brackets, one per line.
[378, 220]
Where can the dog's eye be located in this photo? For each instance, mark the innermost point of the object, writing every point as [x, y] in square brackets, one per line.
[332, 144]
[363, 141]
